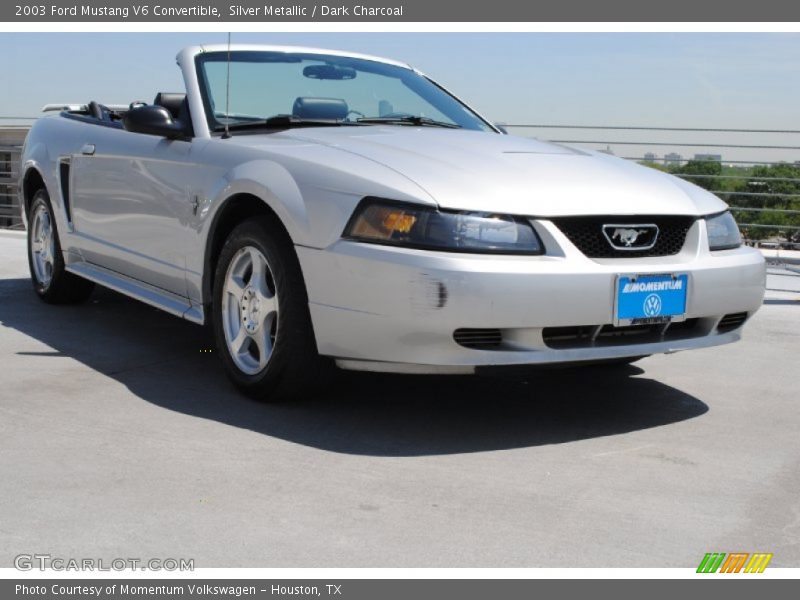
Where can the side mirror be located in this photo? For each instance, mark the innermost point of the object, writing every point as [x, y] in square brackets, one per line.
[502, 128]
[152, 120]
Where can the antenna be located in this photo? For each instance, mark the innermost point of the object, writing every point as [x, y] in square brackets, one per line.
[228, 93]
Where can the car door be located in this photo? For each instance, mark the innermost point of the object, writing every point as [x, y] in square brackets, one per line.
[133, 204]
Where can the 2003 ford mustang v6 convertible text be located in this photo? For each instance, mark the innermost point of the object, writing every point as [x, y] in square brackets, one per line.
[316, 205]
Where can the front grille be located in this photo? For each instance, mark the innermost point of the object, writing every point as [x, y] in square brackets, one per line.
[585, 336]
[731, 322]
[478, 339]
[587, 234]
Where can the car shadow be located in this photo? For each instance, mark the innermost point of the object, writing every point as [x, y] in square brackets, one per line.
[170, 363]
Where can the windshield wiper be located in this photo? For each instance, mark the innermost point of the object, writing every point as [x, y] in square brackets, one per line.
[409, 120]
[286, 121]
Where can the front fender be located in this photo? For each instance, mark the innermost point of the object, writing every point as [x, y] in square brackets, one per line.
[282, 195]
[313, 191]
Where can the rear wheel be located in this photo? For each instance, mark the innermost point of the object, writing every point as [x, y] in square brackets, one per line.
[51, 282]
[261, 321]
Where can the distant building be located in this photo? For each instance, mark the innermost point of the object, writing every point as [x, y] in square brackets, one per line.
[650, 157]
[673, 159]
[709, 157]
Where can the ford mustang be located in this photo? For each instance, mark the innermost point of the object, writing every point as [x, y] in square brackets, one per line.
[320, 207]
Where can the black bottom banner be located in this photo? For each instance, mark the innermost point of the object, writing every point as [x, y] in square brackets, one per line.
[390, 589]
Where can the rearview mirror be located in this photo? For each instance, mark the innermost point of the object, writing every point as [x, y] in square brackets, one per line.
[152, 120]
[329, 72]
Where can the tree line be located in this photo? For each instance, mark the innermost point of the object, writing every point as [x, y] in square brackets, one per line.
[768, 189]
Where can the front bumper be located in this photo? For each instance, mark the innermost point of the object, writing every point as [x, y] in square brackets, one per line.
[393, 309]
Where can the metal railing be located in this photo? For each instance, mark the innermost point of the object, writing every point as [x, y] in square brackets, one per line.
[12, 134]
[9, 200]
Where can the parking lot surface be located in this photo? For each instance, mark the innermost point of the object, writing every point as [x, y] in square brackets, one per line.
[121, 437]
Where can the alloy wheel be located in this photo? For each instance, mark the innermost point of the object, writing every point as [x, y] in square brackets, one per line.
[42, 245]
[250, 310]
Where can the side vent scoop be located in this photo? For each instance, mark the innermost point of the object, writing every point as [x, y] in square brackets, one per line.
[478, 339]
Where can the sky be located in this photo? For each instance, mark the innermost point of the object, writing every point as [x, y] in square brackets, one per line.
[722, 80]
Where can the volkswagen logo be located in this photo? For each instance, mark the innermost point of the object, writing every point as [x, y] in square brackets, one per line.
[631, 237]
[652, 305]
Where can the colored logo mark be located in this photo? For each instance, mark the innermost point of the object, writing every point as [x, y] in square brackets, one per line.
[652, 305]
[735, 562]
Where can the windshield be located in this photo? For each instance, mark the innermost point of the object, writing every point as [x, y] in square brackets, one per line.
[322, 88]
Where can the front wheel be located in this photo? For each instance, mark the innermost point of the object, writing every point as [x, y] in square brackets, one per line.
[261, 321]
[51, 282]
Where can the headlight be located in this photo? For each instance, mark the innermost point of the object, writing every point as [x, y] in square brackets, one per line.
[723, 233]
[410, 225]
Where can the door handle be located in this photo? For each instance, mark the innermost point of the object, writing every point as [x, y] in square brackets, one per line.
[87, 149]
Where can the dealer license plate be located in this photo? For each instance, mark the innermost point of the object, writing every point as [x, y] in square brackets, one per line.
[646, 299]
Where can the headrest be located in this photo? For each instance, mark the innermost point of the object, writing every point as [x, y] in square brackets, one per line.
[320, 108]
[172, 101]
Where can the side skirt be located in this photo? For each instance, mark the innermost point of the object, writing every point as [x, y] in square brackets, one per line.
[166, 301]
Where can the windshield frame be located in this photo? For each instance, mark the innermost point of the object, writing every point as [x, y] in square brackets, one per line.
[215, 127]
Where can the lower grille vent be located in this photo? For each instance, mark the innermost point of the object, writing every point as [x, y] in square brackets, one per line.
[587, 336]
[480, 339]
[731, 322]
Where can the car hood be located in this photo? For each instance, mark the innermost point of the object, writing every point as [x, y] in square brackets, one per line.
[477, 171]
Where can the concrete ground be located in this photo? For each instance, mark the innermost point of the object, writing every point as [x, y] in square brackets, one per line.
[121, 437]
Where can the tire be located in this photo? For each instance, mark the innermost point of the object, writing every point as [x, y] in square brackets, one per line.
[260, 317]
[51, 282]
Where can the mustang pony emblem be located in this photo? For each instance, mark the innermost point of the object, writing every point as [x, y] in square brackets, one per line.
[631, 237]
[627, 236]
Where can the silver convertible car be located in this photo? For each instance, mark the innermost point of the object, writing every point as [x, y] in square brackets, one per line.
[316, 206]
